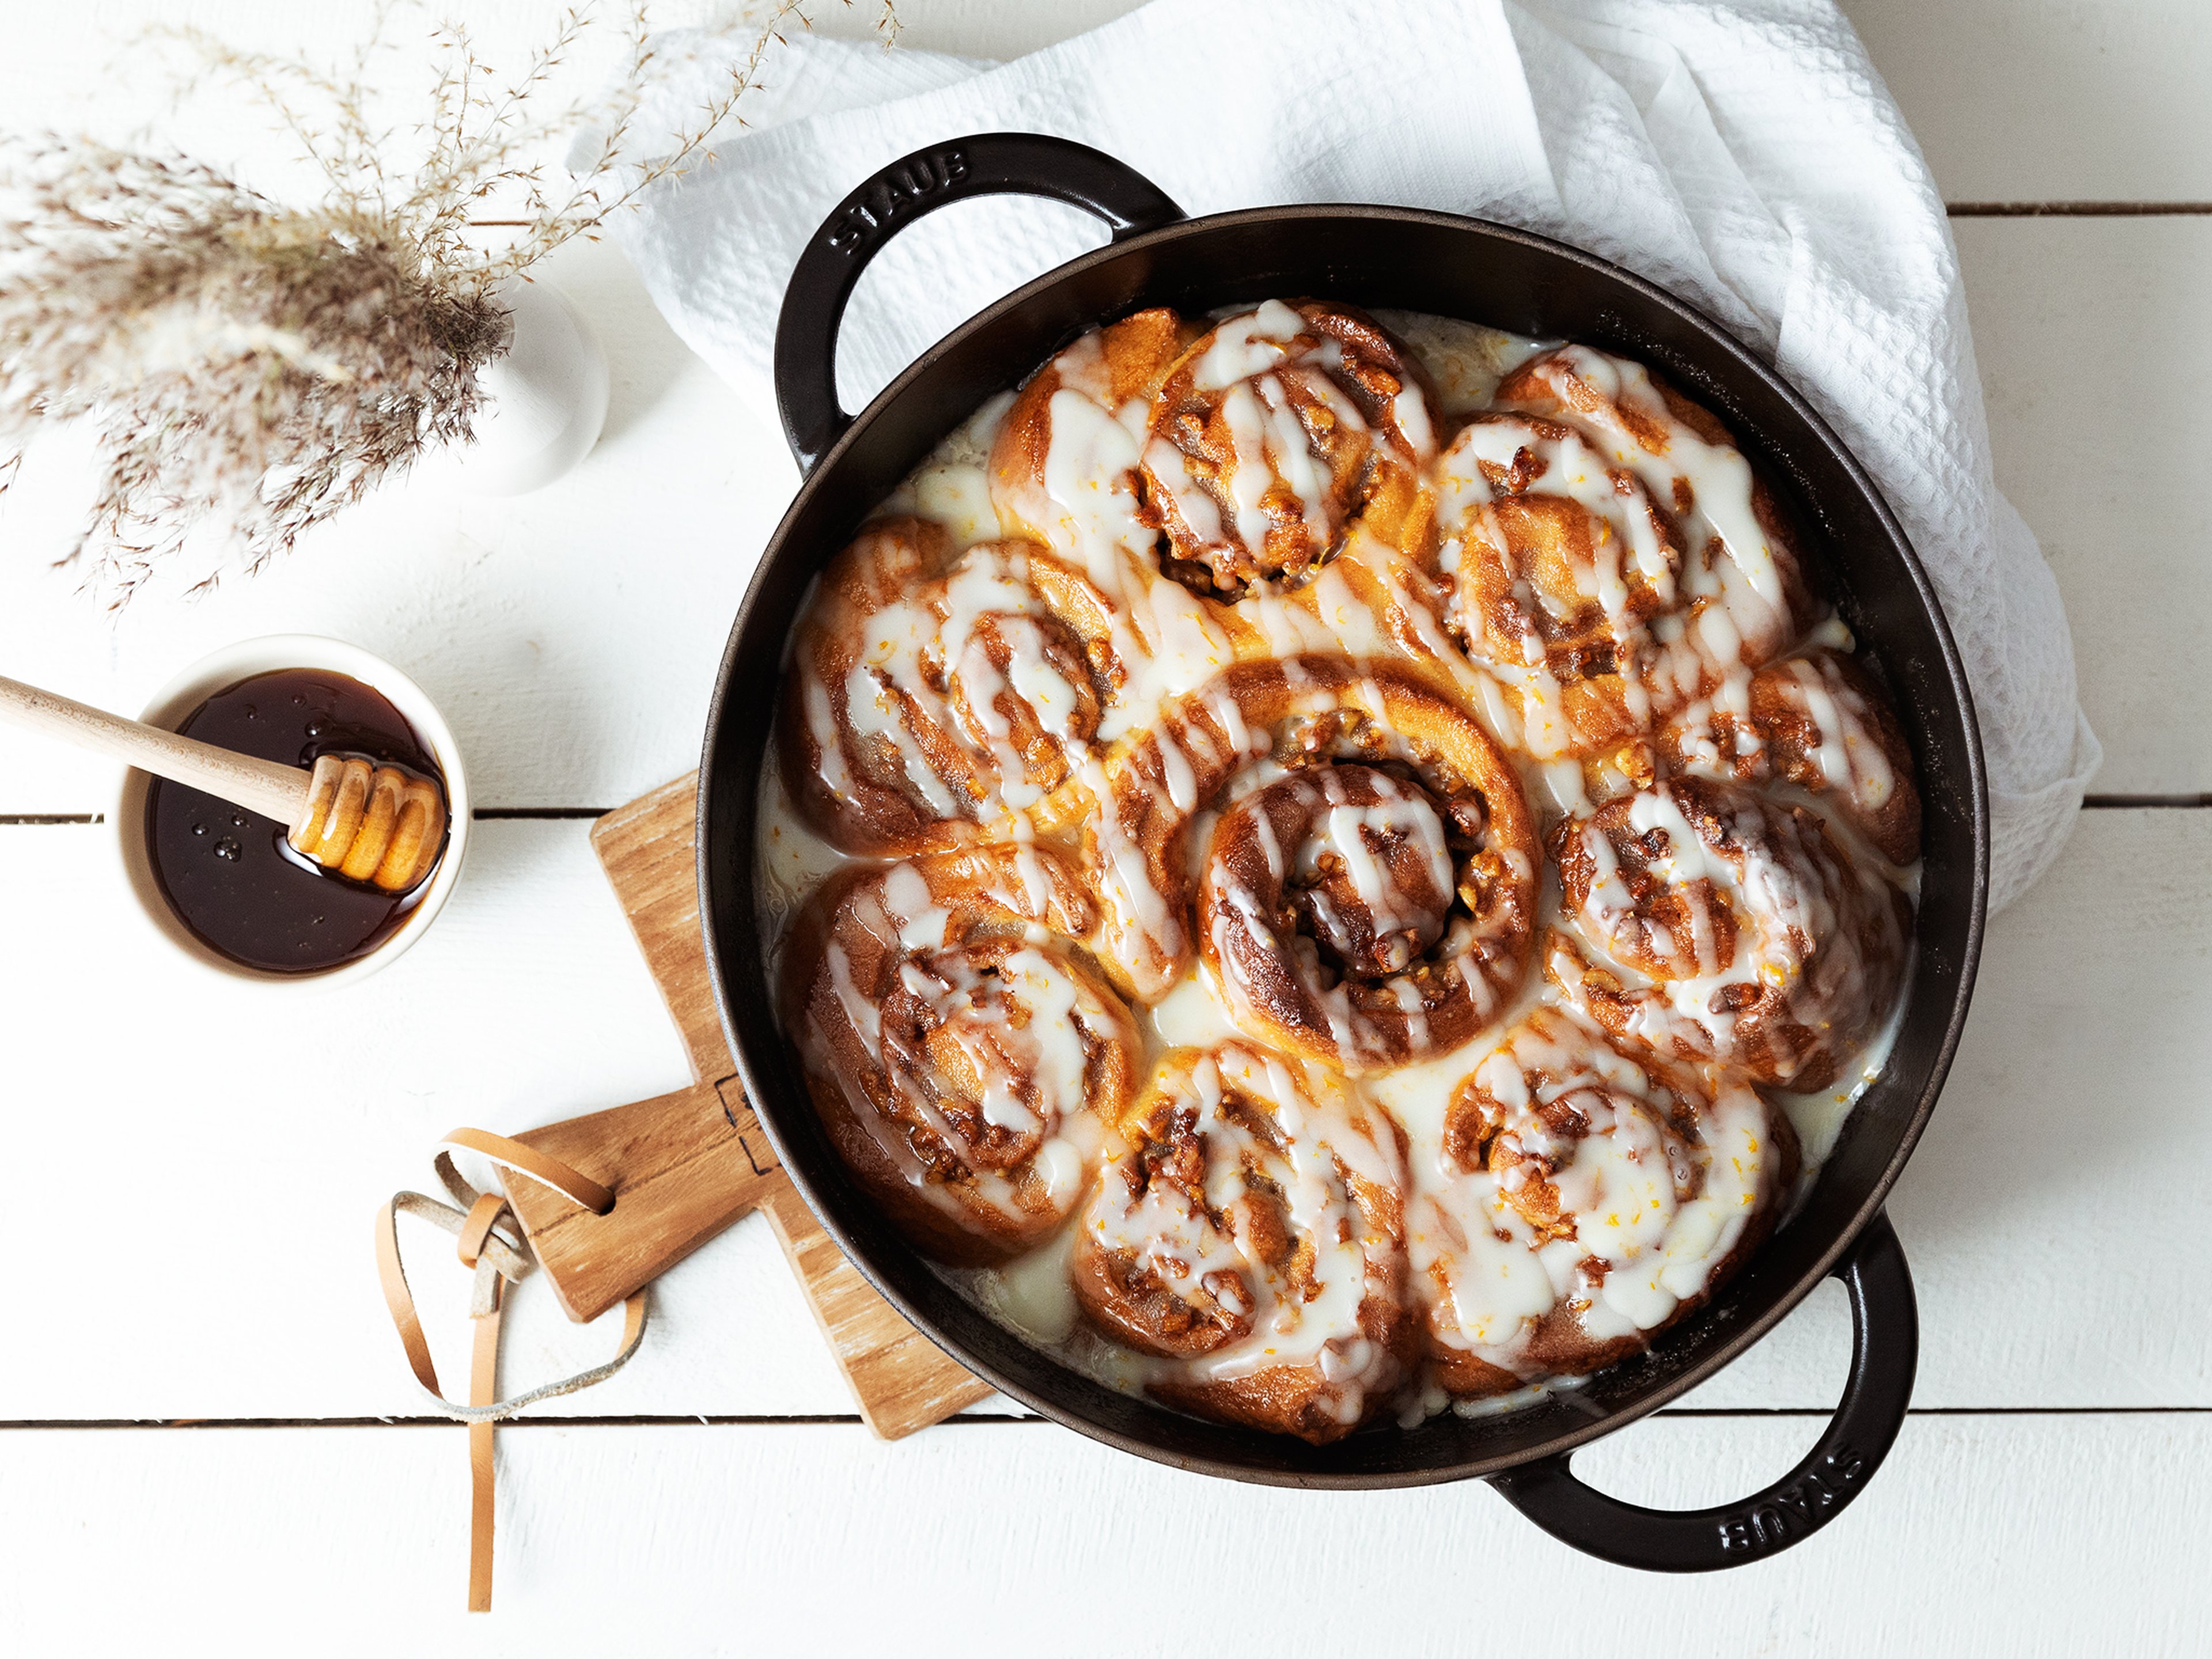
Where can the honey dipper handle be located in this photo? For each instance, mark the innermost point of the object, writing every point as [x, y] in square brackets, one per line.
[269, 787]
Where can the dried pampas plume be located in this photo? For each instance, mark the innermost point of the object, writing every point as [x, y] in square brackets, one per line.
[255, 366]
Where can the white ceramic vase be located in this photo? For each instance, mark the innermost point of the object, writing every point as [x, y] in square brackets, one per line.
[547, 399]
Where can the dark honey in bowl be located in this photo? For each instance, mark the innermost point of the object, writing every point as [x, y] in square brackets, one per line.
[228, 873]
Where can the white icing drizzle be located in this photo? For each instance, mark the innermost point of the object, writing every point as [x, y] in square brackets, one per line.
[1211, 1243]
[1010, 1037]
[1640, 1212]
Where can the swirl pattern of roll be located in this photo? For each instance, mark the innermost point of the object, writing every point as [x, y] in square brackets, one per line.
[1064, 470]
[1587, 1203]
[1726, 928]
[1356, 916]
[1562, 564]
[1273, 431]
[968, 1064]
[1261, 720]
[1616, 558]
[1251, 1236]
[930, 695]
[1818, 721]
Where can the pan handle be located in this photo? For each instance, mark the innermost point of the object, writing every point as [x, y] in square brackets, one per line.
[1885, 1351]
[983, 164]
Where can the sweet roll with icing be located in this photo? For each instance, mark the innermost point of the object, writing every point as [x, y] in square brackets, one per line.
[1360, 916]
[1252, 1236]
[1586, 1203]
[1273, 431]
[1562, 563]
[967, 1062]
[930, 695]
[1615, 558]
[1742, 597]
[1818, 721]
[1721, 926]
[1265, 720]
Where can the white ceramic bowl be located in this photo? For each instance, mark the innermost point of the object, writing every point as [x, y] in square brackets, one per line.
[226, 668]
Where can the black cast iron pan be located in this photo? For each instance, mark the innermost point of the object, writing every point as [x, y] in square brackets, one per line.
[1456, 267]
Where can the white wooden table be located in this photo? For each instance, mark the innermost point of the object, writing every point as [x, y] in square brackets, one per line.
[209, 1437]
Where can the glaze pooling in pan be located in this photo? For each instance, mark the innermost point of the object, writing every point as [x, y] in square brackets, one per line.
[1431, 742]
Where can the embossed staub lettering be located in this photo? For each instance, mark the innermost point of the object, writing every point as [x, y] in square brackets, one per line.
[1797, 1508]
[894, 195]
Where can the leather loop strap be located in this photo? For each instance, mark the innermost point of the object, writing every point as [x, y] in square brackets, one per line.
[571, 1184]
[475, 1230]
[484, 1389]
[400, 1301]
[498, 1261]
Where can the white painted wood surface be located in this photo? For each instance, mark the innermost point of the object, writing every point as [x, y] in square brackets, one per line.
[2051, 101]
[1987, 1538]
[2073, 317]
[190, 1240]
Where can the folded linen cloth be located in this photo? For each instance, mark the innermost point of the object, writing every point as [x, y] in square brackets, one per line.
[1743, 154]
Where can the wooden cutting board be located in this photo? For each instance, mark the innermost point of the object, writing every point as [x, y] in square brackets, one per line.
[685, 1165]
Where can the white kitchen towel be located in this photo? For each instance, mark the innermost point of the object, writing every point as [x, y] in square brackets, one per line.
[1741, 153]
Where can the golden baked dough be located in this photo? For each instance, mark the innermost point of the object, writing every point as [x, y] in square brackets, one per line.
[1252, 1234]
[1718, 925]
[966, 1068]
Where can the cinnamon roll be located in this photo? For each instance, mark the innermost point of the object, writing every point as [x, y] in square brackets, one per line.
[1064, 464]
[1818, 721]
[1357, 916]
[1273, 431]
[1741, 593]
[1265, 720]
[1724, 926]
[1562, 563]
[1251, 1234]
[1587, 1203]
[966, 1064]
[1612, 555]
[929, 695]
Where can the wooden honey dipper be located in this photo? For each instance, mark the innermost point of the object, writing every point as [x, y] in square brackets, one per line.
[366, 821]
